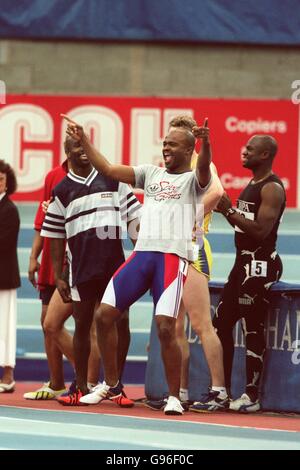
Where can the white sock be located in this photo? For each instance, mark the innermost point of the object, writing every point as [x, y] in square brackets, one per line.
[110, 386]
[184, 394]
[222, 391]
[91, 385]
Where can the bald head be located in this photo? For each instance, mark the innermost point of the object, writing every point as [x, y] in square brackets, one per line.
[266, 143]
[185, 135]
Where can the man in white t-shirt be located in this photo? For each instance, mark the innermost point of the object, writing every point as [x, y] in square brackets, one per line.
[162, 252]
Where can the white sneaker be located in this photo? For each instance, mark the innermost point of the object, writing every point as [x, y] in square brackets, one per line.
[173, 407]
[90, 386]
[244, 404]
[97, 394]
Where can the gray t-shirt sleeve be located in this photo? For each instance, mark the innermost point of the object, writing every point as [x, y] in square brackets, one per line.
[140, 173]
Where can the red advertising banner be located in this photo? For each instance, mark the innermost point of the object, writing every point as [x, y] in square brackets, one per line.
[131, 130]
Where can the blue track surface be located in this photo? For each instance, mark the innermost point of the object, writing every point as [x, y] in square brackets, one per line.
[42, 429]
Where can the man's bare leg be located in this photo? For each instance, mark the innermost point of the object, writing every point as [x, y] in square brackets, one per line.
[123, 341]
[8, 375]
[60, 341]
[83, 313]
[107, 332]
[54, 356]
[94, 361]
[184, 347]
[197, 303]
[170, 351]
[57, 314]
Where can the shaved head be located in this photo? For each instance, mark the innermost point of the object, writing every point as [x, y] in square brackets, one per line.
[266, 143]
[186, 134]
[178, 147]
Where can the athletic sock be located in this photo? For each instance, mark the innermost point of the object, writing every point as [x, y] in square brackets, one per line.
[183, 394]
[222, 391]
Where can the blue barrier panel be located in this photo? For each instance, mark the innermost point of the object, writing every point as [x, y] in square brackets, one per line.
[248, 22]
[280, 386]
[29, 369]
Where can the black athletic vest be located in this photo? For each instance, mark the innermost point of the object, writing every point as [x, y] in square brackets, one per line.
[248, 204]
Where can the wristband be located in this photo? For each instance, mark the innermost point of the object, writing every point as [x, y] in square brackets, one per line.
[229, 212]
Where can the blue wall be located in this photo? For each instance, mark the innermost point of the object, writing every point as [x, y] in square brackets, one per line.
[213, 21]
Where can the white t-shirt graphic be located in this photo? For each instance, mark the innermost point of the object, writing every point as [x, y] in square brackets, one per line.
[171, 202]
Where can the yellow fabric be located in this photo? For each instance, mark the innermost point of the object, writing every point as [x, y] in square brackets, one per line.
[207, 221]
[203, 263]
[207, 217]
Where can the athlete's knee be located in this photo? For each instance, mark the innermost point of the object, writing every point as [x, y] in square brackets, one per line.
[165, 334]
[166, 331]
[50, 328]
[53, 324]
[106, 315]
[204, 328]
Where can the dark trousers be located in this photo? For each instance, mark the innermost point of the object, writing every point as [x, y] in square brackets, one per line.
[247, 295]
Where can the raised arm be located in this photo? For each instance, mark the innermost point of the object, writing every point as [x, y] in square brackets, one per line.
[214, 193]
[122, 173]
[204, 158]
[272, 197]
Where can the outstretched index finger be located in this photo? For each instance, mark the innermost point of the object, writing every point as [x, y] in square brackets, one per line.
[205, 122]
[64, 116]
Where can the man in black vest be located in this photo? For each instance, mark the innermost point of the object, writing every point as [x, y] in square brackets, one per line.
[257, 266]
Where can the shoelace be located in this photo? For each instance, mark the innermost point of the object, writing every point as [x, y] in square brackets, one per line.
[101, 390]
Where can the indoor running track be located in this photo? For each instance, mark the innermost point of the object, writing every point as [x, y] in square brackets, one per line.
[46, 425]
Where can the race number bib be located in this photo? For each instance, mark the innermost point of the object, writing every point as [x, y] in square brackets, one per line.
[258, 268]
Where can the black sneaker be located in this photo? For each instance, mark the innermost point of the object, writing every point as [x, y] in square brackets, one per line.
[156, 405]
[210, 402]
